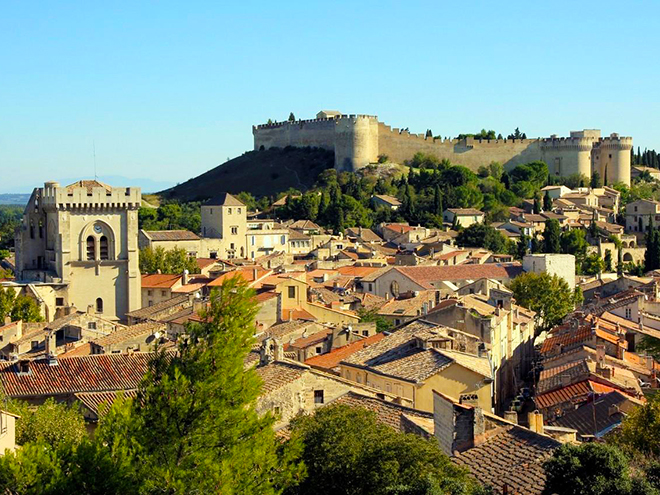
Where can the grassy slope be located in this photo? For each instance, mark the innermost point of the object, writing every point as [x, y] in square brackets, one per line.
[262, 173]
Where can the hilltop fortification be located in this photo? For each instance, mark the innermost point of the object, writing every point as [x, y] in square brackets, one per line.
[358, 140]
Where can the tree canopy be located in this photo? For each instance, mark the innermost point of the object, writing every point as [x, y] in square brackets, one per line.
[173, 261]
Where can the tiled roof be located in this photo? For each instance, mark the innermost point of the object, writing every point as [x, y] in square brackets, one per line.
[371, 277]
[388, 199]
[304, 225]
[387, 413]
[315, 338]
[513, 457]
[171, 235]
[367, 235]
[562, 375]
[424, 275]
[577, 392]
[223, 199]
[398, 228]
[93, 400]
[247, 274]
[150, 311]
[96, 373]
[278, 374]
[124, 334]
[567, 338]
[294, 235]
[465, 211]
[597, 416]
[160, 281]
[411, 306]
[331, 360]
[89, 185]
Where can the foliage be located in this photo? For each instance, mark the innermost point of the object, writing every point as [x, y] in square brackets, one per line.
[640, 429]
[348, 451]
[652, 254]
[552, 236]
[171, 216]
[382, 323]
[592, 469]
[482, 235]
[18, 307]
[593, 265]
[574, 242]
[194, 422]
[607, 259]
[548, 295]
[10, 219]
[52, 422]
[174, 261]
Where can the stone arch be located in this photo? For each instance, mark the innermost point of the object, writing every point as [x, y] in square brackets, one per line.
[627, 257]
[97, 230]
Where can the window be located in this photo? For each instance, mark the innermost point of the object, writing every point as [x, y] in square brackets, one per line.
[214, 255]
[90, 248]
[292, 292]
[628, 313]
[253, 240]
[103, 248]
[319, 350]
[365, 333]
[238, 210]
[163, 293]
[150, 292]
[99, 305]
[371, 287]
[394, 288]
[151, 303]
[35, 345]
[91, 325]
[359, 378]
[31, 231]
[228, 211]
[210, 211]
[59, 301]
[318, 396]
[276, 410]
[234, 230]
[283, 240]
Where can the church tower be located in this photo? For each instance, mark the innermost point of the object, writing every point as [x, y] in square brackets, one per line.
[83, 236]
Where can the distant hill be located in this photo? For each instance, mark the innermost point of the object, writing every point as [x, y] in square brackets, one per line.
[14, 199]
[262, 173]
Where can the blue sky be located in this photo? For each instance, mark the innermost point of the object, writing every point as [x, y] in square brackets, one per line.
[167, 90]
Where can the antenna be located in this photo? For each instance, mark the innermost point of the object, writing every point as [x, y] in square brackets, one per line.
[94, 148]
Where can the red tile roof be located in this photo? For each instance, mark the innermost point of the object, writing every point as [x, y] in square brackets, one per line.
[575, 393]
[96, 373]
[332, 359]
[247, 274]
[425, 275]
[160, 281]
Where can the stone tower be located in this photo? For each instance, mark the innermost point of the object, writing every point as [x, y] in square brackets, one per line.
[83, 236]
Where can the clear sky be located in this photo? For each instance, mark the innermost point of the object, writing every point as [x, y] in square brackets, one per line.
[167, 90]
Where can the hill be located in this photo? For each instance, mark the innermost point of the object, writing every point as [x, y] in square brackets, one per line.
[261, 173]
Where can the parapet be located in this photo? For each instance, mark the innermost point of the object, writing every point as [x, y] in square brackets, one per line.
[335, 119]
[89, 194]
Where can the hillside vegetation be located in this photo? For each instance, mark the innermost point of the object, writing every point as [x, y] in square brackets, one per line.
[261, 173]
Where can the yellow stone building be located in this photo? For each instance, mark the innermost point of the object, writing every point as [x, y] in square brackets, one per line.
[77, 246]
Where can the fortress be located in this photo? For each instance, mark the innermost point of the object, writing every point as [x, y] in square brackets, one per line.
[359, 140]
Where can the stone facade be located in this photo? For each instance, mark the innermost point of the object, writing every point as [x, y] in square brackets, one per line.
[359, 140]
[83, 236]
[562, 265]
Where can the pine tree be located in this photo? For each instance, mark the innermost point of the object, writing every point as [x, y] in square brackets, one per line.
[593, 228]
[292, 118]
[547, 202]
[521, 246]
[194, 422]
[595, 180]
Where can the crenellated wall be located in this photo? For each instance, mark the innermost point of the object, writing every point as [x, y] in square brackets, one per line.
[358, 140]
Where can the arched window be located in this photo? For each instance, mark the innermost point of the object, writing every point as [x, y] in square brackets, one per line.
[99, 305]
[91, 255]
[103, 248]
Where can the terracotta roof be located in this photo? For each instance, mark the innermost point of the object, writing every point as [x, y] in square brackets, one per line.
[304, 225]
[366, 235]
[388, 413]
[93, 400]
[575, 393]
[171, 235]
[247, 273]
[562, 375]
[313, 339]
[398, 228]
[567, 338]
[412, 306]
[331, 360]
[96, 373]
[513, 457]
[81, 350]
[160, 281]
[278, 374]
[150, 311]
[424, 275]
[223, 199]
[295, 235]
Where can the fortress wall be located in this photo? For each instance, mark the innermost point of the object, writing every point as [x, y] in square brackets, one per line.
[470, 153]
[567, 156]
[613, 154]
[315, 133]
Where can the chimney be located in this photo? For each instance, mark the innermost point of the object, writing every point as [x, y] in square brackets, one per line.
[535, 419]
[185, 278]
[254, 274]
[600, 355]
[51, 345]
[511, 416]
[279, 350]
[649, 362]
[90, 309]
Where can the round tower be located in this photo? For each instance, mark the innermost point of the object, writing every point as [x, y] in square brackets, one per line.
[356, 141]
[612, 158]
[568, 156]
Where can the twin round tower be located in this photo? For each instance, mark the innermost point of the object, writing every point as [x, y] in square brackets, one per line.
[359, 140]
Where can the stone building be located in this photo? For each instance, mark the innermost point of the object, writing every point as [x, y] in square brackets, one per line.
[359, 140]
[83, 239]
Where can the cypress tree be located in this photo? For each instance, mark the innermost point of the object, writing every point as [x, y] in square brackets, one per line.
[605, 181]
[552, 237]
[437, 201]
[547, 202]
[537, 206]
[652, 255]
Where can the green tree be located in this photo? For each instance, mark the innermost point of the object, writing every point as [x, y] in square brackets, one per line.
[593, 265]
[652, 254]
[548, 295]
[18, 307]
[595, 180]
[371, 315]
[552, 236]
[591, 469]
[640, 430]
[522, 246]
[482, 235]
[52, 422]
[608, 260]
[173, 261]
[437, 201]
[292, 118]
[194, 423]
[537, 206]
[547, 202]
[348, 451]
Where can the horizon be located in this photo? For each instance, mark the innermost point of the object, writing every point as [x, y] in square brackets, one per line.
[169, 93]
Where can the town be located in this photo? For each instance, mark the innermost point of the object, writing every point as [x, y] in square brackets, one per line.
[504, 309]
